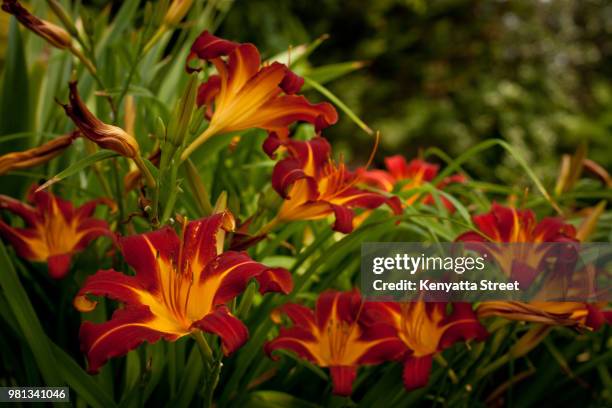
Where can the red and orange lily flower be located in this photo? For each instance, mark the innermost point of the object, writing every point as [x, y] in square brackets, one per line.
[424, 330]
[313, 186]
[54, 230]
[245, 95]
[409, 175]
[182, 286]
[510, 225]
[332, 336]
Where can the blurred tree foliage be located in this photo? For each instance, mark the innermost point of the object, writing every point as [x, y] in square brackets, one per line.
[450, 73]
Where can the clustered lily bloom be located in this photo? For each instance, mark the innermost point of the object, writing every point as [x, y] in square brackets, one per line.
[424, 330]
[54, 229]
[55, 35]
[244, 95]
[510, 225]
[333, 336]
[37, 155]
[182, 285]
[313, 186]
[409, 175]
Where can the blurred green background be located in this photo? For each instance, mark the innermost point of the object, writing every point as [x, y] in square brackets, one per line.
[450, 73]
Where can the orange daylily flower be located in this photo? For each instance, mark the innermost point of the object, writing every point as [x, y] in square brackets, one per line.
[409, 175]
[314, 186]
[510, 225]
[332, 336]
[54, 229]
[55, 35]
[37, 155]
[424, 330]
[244, 95]
[182, 285]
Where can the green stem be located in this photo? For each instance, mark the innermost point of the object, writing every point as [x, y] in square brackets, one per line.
[212, 368]
[197, 188]
[118, 193]
[171, 200]
[207, 354]
[158, 34]
[493, 366]
[268, 227]
[94, 73]
[204, 136]
[144, 170]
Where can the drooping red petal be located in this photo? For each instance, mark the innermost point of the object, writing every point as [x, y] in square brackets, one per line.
[291, 83]
[596, 317]
[208, 46]
[271, 144]
[416, 372]
[386, 345]
[463, 326]
[301, 316]
[27, 213]
[342, 379]
[286, 172]
[125, 331]
[232, 332]
[554, 229]
[344, 219]
[312, 155]
[282, 111]
[231, 272]
[109, 283]
[275, 280]
[58, 265]
[91, 229]
[18, 238]
[295, 339]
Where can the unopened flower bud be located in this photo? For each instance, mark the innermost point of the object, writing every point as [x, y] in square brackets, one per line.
[104, 135]
[177, 10]
[37, 155]
[55, 35]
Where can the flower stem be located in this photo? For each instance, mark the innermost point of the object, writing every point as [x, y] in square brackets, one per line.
[144, 170]
[197, 188]
[212, 368]
[205, 349]
[94, 73]
[204, 136]
[158, 34]
[268, 227]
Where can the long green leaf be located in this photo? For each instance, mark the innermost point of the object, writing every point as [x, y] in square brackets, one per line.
[328, 73]
[79, 166]
[336, 101]
[487, 144]
[79, 381]
[14, 99]
[28, 322]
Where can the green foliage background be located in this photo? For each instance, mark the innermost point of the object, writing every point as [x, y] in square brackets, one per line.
[450, 73]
